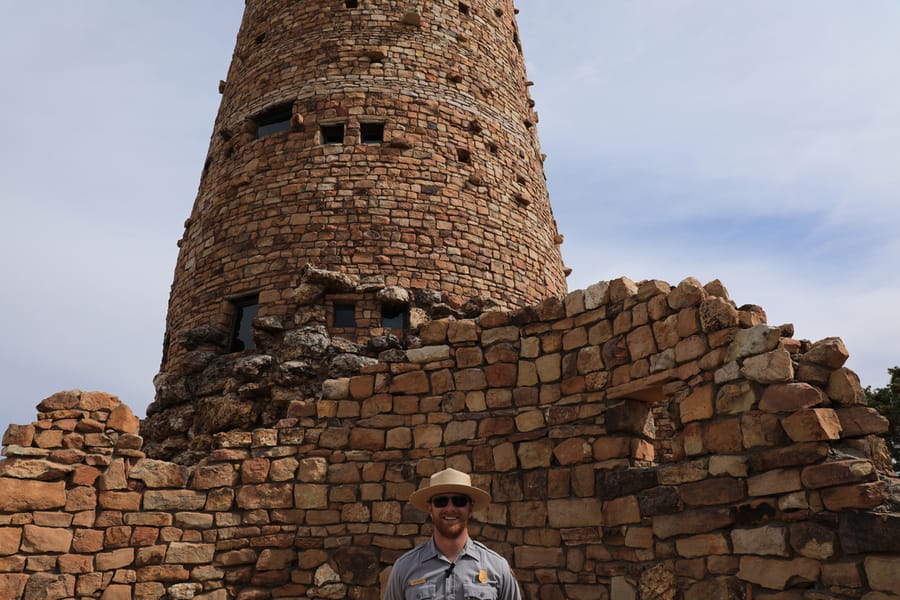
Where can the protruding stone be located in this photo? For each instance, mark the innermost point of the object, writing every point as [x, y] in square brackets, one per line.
[756, 340]
[829, 352]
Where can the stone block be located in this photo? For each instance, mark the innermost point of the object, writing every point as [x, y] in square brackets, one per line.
[789, 456]
[170, 500]
[840, 472]
[860, 497]
[857, 421]
[190, 553]
[829, 352]
[701, 546]
[535, 455]
[791, 397]
[691, 522]
[607, 447]
[698, 405]
[573, 451]
[22, 495]
[631, 416]
[574, 512]
[812, 540]
[844, 388]
[310, 496]
[755, 340]
[716, 314]
[762, 541]
[760, 429]
[723, 436]
[621, 511]
[533, 557]
[735, 398]
[207, 477]
[709, 492]
[38, 540]
[774, 482]
[771, 367]
[882, 573]
[778, 574]
[812, 425]
[10, 538]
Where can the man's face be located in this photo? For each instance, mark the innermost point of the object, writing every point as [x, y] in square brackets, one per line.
[450, 520]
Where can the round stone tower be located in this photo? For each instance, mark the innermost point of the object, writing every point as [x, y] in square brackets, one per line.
[373, 138]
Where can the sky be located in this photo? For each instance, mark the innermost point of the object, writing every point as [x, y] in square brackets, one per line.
[751, 141]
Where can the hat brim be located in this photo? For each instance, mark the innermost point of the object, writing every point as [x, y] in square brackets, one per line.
[421, 498]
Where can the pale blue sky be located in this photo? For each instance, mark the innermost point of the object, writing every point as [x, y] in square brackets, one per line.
[754, 141]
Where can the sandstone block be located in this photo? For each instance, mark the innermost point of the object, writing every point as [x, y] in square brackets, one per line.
[159, 474]
[771, 367]
[841, 472]
[812, 540]
[752, 341]
[698, 405]
[862, 496]
[123, 420]
[535, 455]
[271, 495]
[813, 425]
[774, 482]
[310, 496]
[21, 495]
[761, 429]
[829, 352]
[606, 447]
[641, 343]
[844, 388]
[703, 545]
[428, 354]
[631, 416]
[689, 292]
[414, 382]
[691, 522]
[882, 573]
[764, 541]
[709, 492]
[190, 553]
[528, 514]
[573, 451]
[532, 557]
[169, 500]
[574, 512]
[723, 436]
[791, 397]
[12, 585]
[126, 501]
[37, 539]
[796, 454]
[47, 586]
[621, 511]
[857, 421]
[718, 313]
[778, 574]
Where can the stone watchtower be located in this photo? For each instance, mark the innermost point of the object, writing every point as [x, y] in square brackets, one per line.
[375, 160]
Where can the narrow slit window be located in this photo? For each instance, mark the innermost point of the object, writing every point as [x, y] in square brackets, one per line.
[332, 133]
[345, 315]
[245, 311]
[351, 3]
[274, 120]
[463, 8]
[394, 317]
[371, 132]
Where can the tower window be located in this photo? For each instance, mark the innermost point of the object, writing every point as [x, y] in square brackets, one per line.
[371, 132]
[245, 311]
[463, 8]
[273, 120]
[394, 317]
[463, 155]
[344, 315]
[332, 133]
[351, 3]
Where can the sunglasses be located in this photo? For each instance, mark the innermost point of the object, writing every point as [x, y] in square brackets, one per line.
[442, 501]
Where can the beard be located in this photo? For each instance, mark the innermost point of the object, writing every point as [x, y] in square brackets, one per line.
[450, 529]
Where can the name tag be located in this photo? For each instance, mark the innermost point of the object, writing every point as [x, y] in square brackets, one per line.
[417, 582]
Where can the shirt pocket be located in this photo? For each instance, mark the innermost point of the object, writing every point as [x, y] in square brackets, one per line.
[475, 591]
[420, 592]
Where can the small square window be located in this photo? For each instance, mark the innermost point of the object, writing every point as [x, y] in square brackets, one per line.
[463, 155]
[345, 315]
[371, 132]
[274, 120]
[394, 317]
[332, 133]
[351, 3]
[245, 311]
[463, 8]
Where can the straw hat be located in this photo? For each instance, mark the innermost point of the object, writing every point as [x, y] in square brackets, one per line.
[449, 481]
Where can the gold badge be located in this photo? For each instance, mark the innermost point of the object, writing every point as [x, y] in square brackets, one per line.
[482, 576]
[417, 582]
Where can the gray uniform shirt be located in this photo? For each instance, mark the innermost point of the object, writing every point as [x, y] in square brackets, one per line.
[424, 573]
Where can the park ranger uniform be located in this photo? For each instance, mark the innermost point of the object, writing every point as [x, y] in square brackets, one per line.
[425, 574]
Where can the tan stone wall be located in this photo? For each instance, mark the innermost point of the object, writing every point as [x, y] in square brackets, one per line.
[453, 200]
[639, 440]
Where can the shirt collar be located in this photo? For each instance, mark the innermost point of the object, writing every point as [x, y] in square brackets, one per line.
[431, 550]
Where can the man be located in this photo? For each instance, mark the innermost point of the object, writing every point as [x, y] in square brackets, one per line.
[451, 565]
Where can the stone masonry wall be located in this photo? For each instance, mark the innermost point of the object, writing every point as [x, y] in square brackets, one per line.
[640, 441]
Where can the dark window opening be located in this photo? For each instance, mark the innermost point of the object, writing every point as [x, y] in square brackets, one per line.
[493, 148]
[245, 311]
[394, 317]
[345, 315]
[333, 133]
[371, 132]
[351, 4]
[274, 120]
[463, 8]
[463, 155]
[498, 12]
[259, 39]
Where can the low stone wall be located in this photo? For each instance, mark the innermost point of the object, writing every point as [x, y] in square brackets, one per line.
[640, 441]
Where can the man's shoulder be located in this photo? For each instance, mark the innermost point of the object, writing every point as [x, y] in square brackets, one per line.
[487, 552]
[414, 555]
